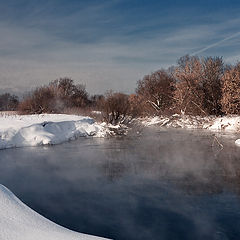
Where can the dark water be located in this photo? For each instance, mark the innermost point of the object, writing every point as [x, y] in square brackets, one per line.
[169, 184]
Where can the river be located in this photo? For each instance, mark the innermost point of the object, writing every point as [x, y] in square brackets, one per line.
[159, 184]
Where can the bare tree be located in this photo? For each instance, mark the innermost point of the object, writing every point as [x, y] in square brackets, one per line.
[213, 71]
[157, 90]
[189, 92]
[231, 90]
[55, 97]
[42, 100]
[114, 107]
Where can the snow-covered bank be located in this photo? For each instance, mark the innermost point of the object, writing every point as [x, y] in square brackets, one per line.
[19, 222]
[33, 130]
[229, 124]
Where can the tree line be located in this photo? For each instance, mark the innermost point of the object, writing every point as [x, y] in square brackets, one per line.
[194, 86]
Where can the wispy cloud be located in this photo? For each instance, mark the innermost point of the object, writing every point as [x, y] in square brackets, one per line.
[216, 43]
[104, 44]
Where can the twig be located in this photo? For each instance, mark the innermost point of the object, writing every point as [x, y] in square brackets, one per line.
[216, 139]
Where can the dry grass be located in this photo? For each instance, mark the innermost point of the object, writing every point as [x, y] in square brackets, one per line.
[8, 113]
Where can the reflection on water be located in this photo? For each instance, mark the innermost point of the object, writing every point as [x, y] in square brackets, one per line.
[161, 185]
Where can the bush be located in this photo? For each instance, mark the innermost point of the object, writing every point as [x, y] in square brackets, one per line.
[114, 107]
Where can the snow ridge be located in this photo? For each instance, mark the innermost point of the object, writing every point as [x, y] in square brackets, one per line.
[19, 222]
[34, 130]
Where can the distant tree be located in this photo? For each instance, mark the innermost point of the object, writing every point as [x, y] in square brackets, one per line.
[41, 100]
[231, 90]
[157, 90]
[72, 95]
[8, 102]
[55, 97]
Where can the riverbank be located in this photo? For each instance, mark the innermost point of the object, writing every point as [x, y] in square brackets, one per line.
[229, 124]
[43, 129]
[49, 129]
[18, 221]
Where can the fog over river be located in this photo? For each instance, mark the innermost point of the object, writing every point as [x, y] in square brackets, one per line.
[159, 184]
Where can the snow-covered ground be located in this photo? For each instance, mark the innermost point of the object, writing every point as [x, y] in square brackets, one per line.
[33, 130]
[229, 124]
[19, 222]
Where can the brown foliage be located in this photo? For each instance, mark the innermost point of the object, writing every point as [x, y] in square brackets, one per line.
[189, 92]
[156, 91]
[137, 105]
[231, 90]
[42, 100]
[213, 72]
[55, 97]
[198, 87]
[114, 107]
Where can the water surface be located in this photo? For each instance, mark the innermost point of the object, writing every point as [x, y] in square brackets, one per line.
[160, 184]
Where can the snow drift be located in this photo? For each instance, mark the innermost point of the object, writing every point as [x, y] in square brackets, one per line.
[229, 124]
[19, 222]
[33, 130]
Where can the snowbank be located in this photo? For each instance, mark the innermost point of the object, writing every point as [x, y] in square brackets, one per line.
[177, 121]
[19, 222]
[226, 123]
[33, 130]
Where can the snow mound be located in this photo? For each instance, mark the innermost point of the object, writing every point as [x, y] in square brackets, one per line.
[177, 121]
[227, 123]
[19, 222]
[34, 130]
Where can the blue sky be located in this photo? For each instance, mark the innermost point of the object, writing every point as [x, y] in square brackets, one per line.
[109, 44]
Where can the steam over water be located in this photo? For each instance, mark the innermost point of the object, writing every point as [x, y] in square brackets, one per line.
[162, 184]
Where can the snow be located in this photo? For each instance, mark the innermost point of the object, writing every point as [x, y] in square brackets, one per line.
[176, 121]
[19, 222]
[229, 124]
[34, 130]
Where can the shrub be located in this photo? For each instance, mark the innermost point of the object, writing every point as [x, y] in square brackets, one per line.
[114, 107]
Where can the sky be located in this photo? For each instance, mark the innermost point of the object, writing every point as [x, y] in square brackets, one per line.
[109, 44]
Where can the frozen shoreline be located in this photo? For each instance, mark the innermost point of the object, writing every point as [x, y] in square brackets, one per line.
[230, 124]
[50, 129]
[19, 222]
[46, 129]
